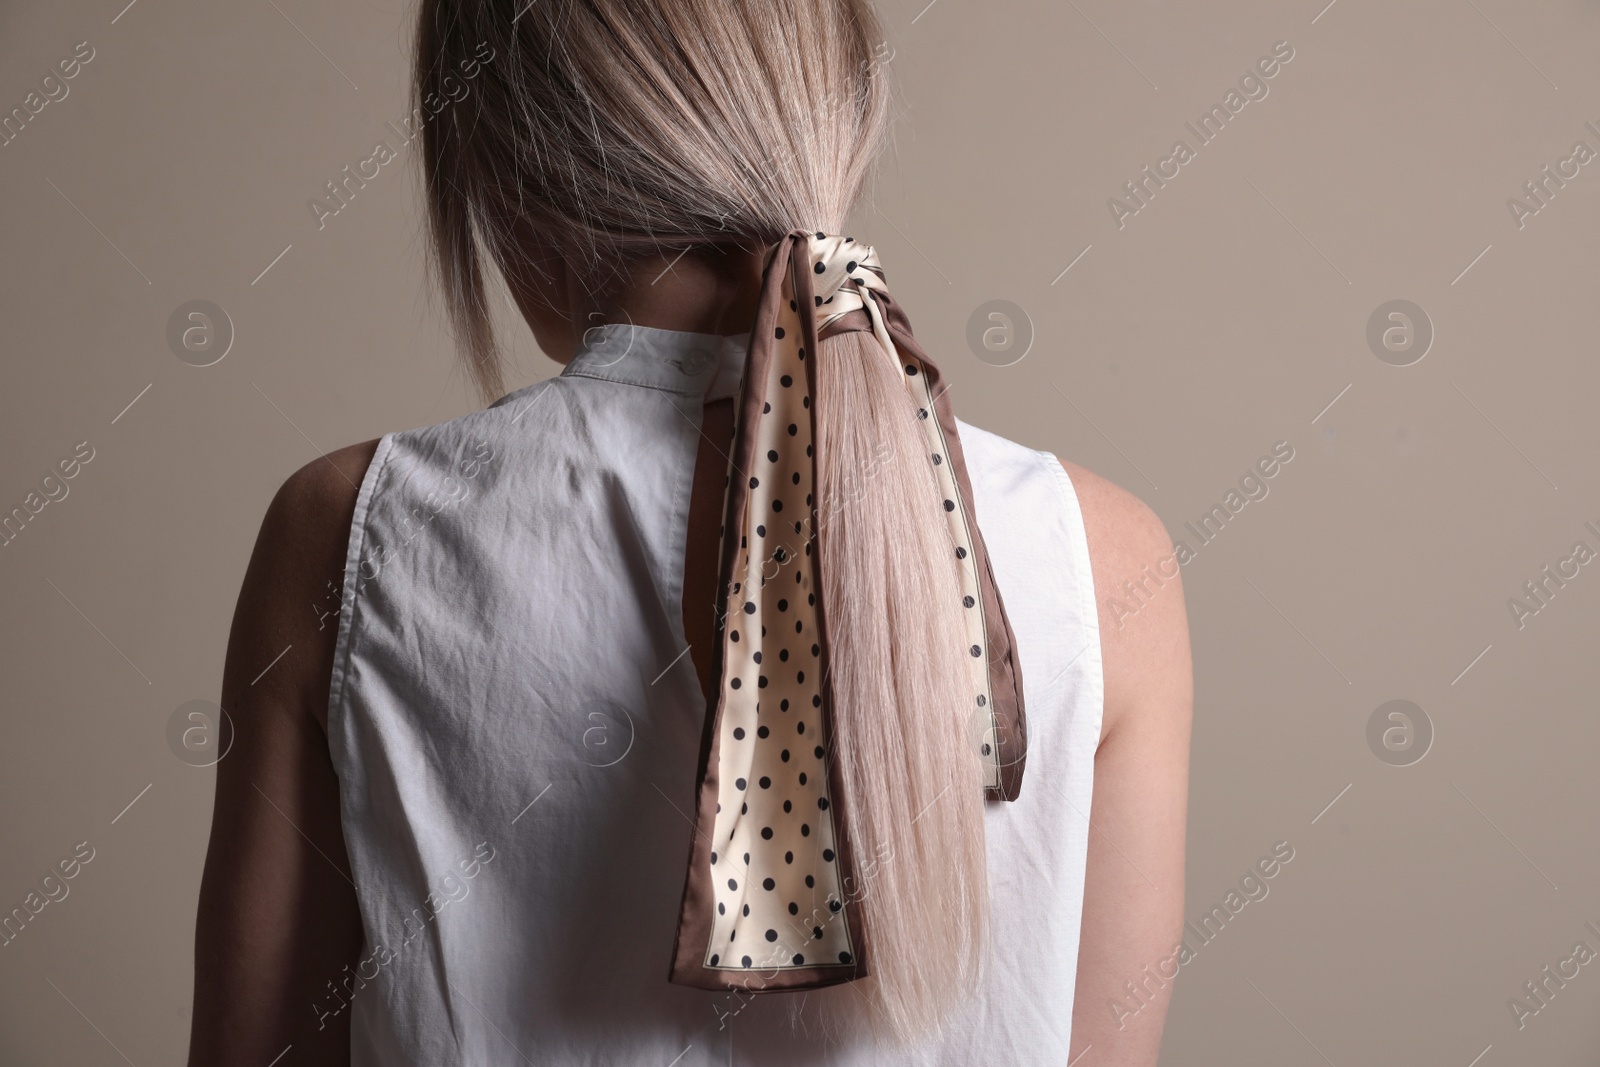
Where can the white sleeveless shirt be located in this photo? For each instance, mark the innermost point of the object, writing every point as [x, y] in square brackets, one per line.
[516, 723]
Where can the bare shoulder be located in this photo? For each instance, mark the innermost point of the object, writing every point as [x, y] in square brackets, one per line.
[1144, 631]
[289, 600]
[324, 488]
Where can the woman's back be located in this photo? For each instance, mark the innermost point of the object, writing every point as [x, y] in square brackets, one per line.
[531, 734]
[515, 720]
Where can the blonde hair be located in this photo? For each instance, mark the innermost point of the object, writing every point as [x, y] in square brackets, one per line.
[611, 128]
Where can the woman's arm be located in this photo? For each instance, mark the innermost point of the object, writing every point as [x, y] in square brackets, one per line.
[278, 919]
[1133, 895]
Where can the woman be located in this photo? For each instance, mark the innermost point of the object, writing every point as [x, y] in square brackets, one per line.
[580, 640]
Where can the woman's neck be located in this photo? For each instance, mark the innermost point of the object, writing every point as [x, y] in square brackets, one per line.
[702, 290]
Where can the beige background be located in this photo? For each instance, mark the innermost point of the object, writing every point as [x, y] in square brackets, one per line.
[1224, 317]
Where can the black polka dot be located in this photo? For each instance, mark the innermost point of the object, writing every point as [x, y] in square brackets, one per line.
[822, 802]
[827, 855]
[740, 783]
[769, 884]
[765, 783]
[778, 333]
[798, 959]
[772, 935]
[766, 833]
[968, 601]
[746, 960]
[786, 381]
[844, 957]
[714, 959]
[738, 733]
[976, 650]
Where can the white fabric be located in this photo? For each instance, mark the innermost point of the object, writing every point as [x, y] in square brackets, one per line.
[516, 731]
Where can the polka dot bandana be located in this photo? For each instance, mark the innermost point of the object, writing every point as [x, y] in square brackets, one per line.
[766, 903]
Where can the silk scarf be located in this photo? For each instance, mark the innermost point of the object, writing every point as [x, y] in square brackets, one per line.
[767, 903]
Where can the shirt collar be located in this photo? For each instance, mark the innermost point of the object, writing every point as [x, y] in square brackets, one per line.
[694, 364]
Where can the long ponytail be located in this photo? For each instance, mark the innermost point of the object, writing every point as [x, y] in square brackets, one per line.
[613, 126]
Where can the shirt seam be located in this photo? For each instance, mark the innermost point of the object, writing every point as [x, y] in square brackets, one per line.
[633, 381]
[355, 546]
[1082, 575]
